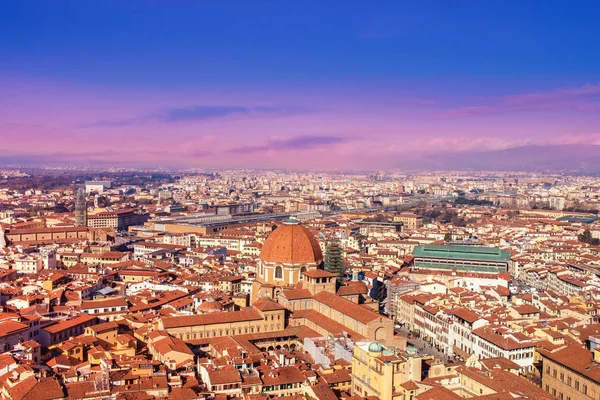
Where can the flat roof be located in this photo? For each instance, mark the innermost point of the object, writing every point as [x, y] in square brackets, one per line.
[229, 221]
[460, 252]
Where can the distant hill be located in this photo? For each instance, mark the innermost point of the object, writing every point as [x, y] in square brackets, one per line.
[570, 157]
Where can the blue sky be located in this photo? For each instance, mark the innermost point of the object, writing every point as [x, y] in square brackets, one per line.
[334, 57]
[158, 42]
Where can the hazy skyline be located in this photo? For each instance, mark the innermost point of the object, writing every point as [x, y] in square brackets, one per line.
[294, 85]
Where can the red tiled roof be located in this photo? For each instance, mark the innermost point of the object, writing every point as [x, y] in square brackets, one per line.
[245, 314]
[9, 327]
[291, 244]
[70, 323]
[347, 307]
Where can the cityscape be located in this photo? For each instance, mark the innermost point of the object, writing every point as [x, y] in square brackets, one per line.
[299, 200]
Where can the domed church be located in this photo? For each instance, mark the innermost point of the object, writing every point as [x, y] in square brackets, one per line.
[290, 272]
[289, 251]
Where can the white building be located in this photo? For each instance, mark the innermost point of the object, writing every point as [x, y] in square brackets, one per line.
[97, 186]
[500, 341]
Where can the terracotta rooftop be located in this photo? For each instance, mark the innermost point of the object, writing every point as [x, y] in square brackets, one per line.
[245, 314]
[347, 307]
[291, 244]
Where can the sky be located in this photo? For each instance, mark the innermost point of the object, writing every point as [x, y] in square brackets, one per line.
[292, 84]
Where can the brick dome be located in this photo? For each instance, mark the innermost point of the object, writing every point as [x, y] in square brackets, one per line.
[291, 243]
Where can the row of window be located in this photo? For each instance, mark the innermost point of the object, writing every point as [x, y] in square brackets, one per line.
[213, 333]
[560, 394]
[281, 387]
[569, 381]
[103, 310]
[279, 272]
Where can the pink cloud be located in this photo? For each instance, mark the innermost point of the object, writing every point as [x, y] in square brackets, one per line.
[581, 98]
[45, 122]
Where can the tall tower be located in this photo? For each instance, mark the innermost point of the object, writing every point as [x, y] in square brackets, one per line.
[48, 255]
[334, 259]
[80, 208]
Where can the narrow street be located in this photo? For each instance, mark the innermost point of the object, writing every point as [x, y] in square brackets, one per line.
[424, 347]
[428, 349]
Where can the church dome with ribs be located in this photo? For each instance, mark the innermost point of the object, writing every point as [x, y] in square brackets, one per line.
[291, 243]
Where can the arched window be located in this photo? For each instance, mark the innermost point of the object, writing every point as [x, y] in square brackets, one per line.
[278, 272]
[302, 271]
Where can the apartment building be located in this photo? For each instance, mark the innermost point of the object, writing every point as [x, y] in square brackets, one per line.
[119, 220]
[571, 373]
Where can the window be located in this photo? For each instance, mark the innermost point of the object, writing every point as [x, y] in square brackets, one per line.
[278, 272]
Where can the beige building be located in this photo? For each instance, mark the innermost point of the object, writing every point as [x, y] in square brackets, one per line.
[118, 220]
[409, 220]
[384, 373]
[571, 373]
[171, 351]
[264, 316]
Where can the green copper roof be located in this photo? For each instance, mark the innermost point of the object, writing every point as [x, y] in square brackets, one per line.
[459, 252]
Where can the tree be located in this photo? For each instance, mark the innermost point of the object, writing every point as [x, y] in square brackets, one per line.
[448, 237]
[586, 237]
[445, 218]
[458, 221]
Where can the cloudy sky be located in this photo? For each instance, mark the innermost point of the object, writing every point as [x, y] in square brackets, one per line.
[293, 84]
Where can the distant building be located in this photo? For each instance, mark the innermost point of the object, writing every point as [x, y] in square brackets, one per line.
[80, 208]
[119, 220]
[461, 258]
[409, 220]
[97, 186]
[175, 208]
[232, 209]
